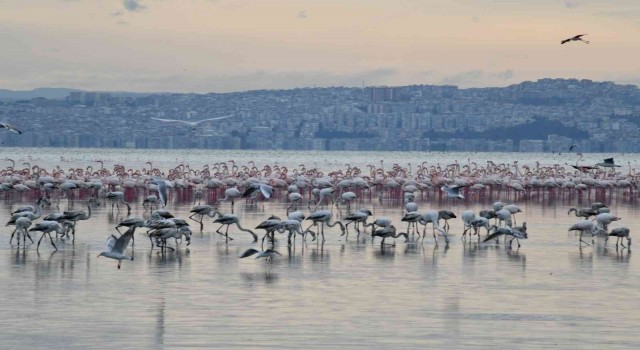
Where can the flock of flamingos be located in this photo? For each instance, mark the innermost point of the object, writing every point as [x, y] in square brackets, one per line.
[309, 199]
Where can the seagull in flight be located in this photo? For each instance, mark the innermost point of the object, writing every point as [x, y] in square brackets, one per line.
[193, 125]
[269, 254]
[572, 147]
[117, 245]
[453, 191]
[575, 38]
[608, 163]
[162, 190]
[9, 127]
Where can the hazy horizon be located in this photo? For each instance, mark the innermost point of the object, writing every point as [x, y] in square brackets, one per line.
[291, 88]
[229, 46]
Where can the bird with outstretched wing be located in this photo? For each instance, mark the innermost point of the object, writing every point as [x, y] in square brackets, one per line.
[190, 123]
[9, 127]
[575, 38]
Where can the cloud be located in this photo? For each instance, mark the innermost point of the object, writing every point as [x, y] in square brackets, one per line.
[629, 13]
[133, 5]
[302, 14]
[203, 82]
[471, 77]
[475, 19]
[505, 75]
[475, 78]
[570, 4]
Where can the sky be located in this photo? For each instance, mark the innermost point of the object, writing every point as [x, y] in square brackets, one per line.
[237, 45]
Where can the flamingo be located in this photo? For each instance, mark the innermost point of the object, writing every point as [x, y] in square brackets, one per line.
[620, 233]
[131, 222]
[232, 219]
[582, 226]
[33, 215]
[582, 168]
[323, 217]
[325, 193]
[446, 215]
[231, 194]
[32, 208]
[22, 226]
[504, 215]
[507, 231]
[294, 199]
[360, 216]
[270, 225]
[379, 222]
[600, 207]
[46, 227]
[604, 219]
[513, 209]
[410, 207]
[293, 226]
[411, 219]
[479, 222]
[117, 197]
[203, 210]
[431, 216]
[583, 212]
[176, 232]
[348, 197]
[575, 38]
[74, 216]
[150, 201]
[389, 232]
[466, 216]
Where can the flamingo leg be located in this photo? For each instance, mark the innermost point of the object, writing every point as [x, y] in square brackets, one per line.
[13, 233]
[51, 239]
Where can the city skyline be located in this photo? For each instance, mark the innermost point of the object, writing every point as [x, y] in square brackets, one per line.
[223, 46]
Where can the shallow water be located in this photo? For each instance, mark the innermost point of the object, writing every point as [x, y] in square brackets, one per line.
[342, 294]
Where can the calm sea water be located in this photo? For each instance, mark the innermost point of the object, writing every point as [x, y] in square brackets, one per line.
[350, 294]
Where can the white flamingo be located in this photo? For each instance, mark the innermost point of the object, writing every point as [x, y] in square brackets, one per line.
[582, 226]
[323, 217]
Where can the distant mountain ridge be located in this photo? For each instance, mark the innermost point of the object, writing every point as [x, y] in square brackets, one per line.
[56, 93]
[50, 93]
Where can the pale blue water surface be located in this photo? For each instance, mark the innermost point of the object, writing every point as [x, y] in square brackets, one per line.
[350, 294]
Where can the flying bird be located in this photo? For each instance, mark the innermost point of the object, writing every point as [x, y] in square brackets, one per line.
[269, 254]
[117, 245]
[608, 163]
[193, 125]
[9, 127]
[572, 147]
[453, 191]
[162, 190]
[575, 38]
